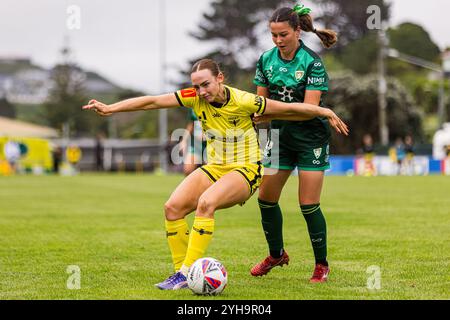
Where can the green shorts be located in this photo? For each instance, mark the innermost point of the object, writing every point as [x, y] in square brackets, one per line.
[305, 158]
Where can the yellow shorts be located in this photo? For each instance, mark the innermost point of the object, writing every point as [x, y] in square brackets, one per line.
[252, 172]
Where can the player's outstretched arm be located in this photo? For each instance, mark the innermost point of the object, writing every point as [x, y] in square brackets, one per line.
[133, 104]
[301, 111]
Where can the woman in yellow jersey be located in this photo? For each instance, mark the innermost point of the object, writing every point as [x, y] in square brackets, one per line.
[233, 172]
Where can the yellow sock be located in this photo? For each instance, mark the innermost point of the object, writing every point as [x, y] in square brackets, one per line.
[177, 236]
[200, 237]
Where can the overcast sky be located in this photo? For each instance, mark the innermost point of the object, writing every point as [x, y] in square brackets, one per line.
[121, 39]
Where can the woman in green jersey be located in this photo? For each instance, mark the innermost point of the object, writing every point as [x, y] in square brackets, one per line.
[292, 72]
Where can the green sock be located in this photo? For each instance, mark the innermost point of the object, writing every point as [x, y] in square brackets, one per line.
[317, 228]
[272, 223]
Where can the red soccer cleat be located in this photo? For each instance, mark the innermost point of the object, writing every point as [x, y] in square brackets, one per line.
[268, 263]
[320, 274]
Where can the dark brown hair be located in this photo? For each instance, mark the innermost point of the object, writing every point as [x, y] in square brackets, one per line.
[209, 64]
[305, 22]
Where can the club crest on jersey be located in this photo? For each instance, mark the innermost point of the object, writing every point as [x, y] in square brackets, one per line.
[317, 152]
[233, 120]
[188, 93]
[299, 75]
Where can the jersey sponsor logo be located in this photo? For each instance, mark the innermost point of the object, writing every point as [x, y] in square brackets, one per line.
[216, 115]
[316, 80]
[188, 93]
[316, 162]
[299, 75]
[317, 152]
[283, 69]
[260, 77]
[318, 64]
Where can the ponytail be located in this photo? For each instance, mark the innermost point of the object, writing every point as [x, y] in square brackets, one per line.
[327, 37]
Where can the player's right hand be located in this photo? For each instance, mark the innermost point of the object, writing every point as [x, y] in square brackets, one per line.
[99, 107]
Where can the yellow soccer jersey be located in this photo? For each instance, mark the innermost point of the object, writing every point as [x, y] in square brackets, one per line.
[229, 129]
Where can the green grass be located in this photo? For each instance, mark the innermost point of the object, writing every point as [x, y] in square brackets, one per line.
[112, 227]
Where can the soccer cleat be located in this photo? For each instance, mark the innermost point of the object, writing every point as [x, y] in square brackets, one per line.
[320, 274]
[174, 282]
[268, 263]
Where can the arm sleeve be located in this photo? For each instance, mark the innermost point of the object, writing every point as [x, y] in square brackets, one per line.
[260, 79]
[186, 97]
[253, 103]
[317, 78]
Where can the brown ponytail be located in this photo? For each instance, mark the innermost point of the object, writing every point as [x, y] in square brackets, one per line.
[327, 36]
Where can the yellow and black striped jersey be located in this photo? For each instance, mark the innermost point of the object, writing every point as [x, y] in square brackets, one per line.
[228, 128]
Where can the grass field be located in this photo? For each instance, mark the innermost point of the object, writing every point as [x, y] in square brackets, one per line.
[112, 227]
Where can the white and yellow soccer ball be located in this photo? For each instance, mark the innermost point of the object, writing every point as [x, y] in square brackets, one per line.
[207, 276]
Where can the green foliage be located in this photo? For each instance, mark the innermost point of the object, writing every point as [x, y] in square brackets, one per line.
[414, 40]
[360, 55]
[144, 126]
[355, 98]
[332, 63]
[350, 21]
[7, 109]
[66, 98]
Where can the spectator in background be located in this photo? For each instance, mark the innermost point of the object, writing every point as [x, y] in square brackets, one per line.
[57, 158]
[369, 153]
[12, 154]
[397, 153]
[407, 164]
[99, 152]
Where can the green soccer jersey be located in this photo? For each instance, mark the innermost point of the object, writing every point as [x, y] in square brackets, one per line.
[287, 81]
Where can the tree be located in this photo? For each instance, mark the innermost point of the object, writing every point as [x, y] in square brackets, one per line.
[349, 20]
[414, 40]
[355, 99]
[66, 98]
[235, 29]
[7, 109]
[360, 55]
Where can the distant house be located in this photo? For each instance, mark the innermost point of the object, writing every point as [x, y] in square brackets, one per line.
[22, 82]
[14, 128]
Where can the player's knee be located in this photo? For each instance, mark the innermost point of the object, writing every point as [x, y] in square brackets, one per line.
[171, 211]
[267, 196]
[205, 207]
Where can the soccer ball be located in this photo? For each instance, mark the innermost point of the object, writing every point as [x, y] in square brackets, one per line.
[207, 276]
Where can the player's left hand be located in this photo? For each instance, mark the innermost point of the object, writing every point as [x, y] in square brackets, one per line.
[337, 123]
